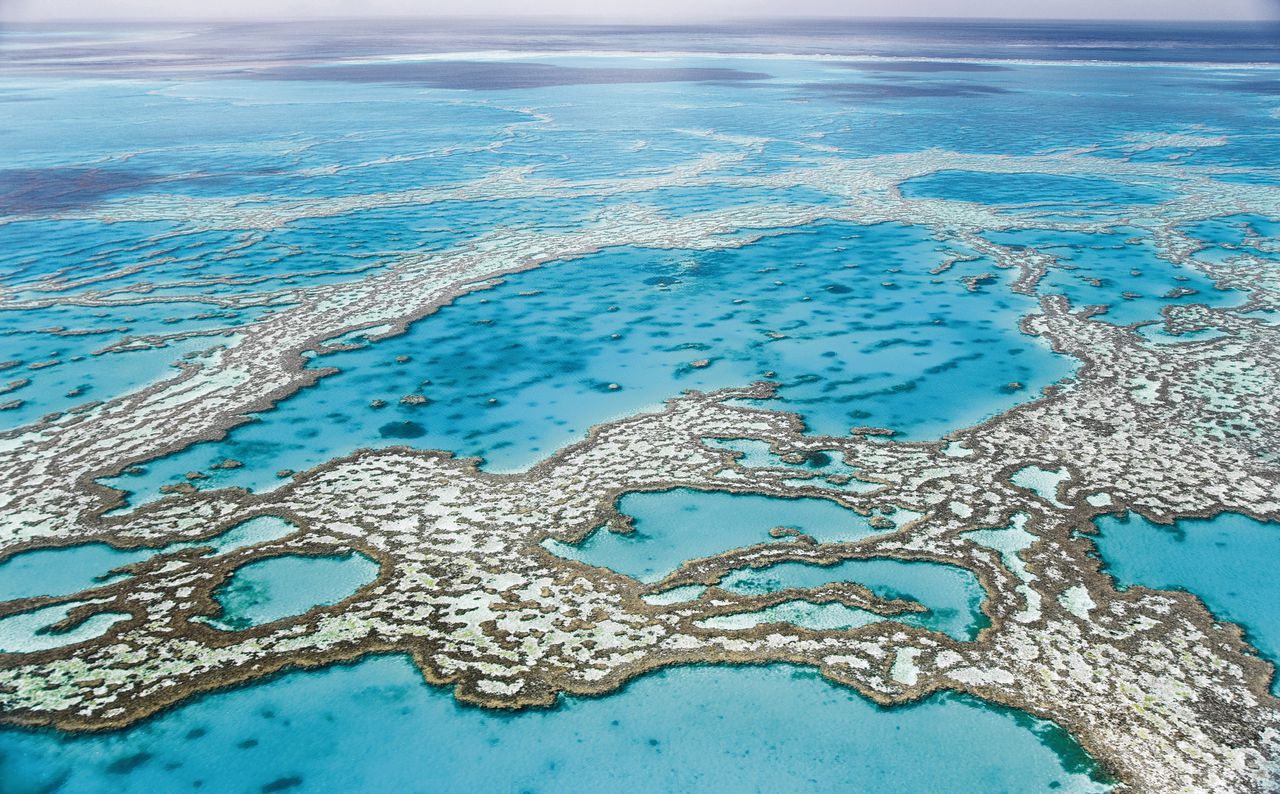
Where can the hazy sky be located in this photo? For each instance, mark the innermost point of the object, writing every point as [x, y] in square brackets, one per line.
[639, 10]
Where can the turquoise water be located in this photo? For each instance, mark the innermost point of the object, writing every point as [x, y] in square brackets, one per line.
[375, 726]
[1119, 270]
[260, 592]
[1230, 236]
[70, 371]
[816, 468]
[70, 569]
[1217, 559]
[514, 373]
[280, 587]
[681, 524]
[256, 593]
[59, 572]
[953, 595]
[1013, 192]
[25, 632]
[678, 525]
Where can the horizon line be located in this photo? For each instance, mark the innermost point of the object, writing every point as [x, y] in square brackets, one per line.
[625, 21]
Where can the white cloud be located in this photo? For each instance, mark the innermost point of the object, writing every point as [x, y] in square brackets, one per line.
[640, 10]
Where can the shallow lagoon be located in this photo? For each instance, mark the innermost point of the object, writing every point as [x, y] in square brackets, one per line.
[70, 569]
[710, 728]
[953, 595]
[1216, 558]
[59, 572]
[280, 587]
[681, 524]
[259, 592]
[375, 726]
[58, 373]
[26, 632]
[1119, 270]
[848, 319]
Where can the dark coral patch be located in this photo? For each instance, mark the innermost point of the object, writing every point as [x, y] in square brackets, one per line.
[402, 430]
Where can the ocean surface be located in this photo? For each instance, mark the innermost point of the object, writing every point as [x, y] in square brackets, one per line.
[124, 148]
[1216, 559]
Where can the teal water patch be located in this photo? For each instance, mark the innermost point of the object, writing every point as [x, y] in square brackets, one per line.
[375, 726]
[26, 632]
[1044, 483]
[1228, 237]
[68, 374]
[848, 319]
[63, 571]
[953, 595]
[1010, 542]
[1223, 560]
[1235, 230]
[280, 587]
[824, 468]
[1156, 334]
[1121, 271]
[682, 524]
[247, 533]
[1038, 193]
[71, 569]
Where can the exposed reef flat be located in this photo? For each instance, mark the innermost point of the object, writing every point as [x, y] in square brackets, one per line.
[1160, 691]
